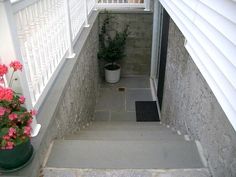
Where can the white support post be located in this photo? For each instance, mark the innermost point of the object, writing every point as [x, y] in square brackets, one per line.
[11, 40]
[35, 127]
[71, 53]
[95, 5]
[147, 5]
[86, 14]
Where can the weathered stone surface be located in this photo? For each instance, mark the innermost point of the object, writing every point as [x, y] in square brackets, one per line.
[138, 49]
[76, 107]
[191, 107]
[52, 172]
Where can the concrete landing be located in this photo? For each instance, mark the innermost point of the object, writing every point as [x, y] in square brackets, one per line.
[119, 105]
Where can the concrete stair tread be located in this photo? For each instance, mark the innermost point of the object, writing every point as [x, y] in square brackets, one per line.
[142, 134]
[131, 123]
[86, 154]
[124, 125]
[59, 172]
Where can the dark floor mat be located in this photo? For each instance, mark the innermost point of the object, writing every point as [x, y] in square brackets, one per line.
[146, 111]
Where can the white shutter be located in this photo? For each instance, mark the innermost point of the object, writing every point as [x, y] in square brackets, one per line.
[210, 30]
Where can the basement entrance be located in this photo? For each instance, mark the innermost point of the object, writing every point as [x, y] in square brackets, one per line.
[114, 144]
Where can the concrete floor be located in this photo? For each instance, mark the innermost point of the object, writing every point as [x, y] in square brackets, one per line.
[116, 141]
[115, 105]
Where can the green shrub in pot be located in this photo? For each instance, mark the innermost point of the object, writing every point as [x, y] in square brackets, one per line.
[112, 48]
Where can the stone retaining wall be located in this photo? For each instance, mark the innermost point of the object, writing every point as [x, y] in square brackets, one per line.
[190, 106]
[138, 48]
[78, 101]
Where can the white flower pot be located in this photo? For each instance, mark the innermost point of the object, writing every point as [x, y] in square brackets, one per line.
[112, 76]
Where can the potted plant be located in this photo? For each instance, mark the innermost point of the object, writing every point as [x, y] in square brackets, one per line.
[112, 49]
[15, 124]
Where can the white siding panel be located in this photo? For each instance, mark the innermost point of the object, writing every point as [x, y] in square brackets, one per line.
[211, 43]
[183, 7]
[208, 45]
[192, 4]
[228, 49]
[222, 24]
[224, 7]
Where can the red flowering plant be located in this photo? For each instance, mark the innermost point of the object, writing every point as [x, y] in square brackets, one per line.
[15, 120]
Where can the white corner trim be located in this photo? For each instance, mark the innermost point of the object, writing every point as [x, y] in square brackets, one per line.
[154, 96]
[153, 90]
[35, 130]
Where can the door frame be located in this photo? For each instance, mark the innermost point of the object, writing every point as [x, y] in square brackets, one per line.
[156, 42]
[159, 52]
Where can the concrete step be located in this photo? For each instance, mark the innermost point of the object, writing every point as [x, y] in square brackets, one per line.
[124, 125]
[160, 133]
[92, 154]
[68, 172]
[125, 149]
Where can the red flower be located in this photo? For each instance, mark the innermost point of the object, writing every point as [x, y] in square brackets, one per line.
[9, 145]
[27, 130]
[6, 94]
[11, 132]
[1, 80]
[6, 137]
[2, 111]
[29, 121]
[33, 112]
[16, 65]
[12, 116]
[3, 69]
[22, 99]
[8, 110]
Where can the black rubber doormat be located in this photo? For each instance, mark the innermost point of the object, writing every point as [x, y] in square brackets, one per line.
[146, 111]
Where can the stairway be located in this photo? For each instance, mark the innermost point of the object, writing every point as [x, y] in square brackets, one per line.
[124, 149]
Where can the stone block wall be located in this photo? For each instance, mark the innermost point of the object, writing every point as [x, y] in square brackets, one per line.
[190, 106]
[139, 42]
[78, 101]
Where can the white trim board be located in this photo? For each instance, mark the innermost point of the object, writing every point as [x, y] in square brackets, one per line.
[154, 95]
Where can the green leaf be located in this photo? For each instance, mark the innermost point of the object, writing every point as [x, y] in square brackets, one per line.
[18, 141]
[3, 131]
[111, 49]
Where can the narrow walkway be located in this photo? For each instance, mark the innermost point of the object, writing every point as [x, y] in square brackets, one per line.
[115, 145]
[117, 101]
